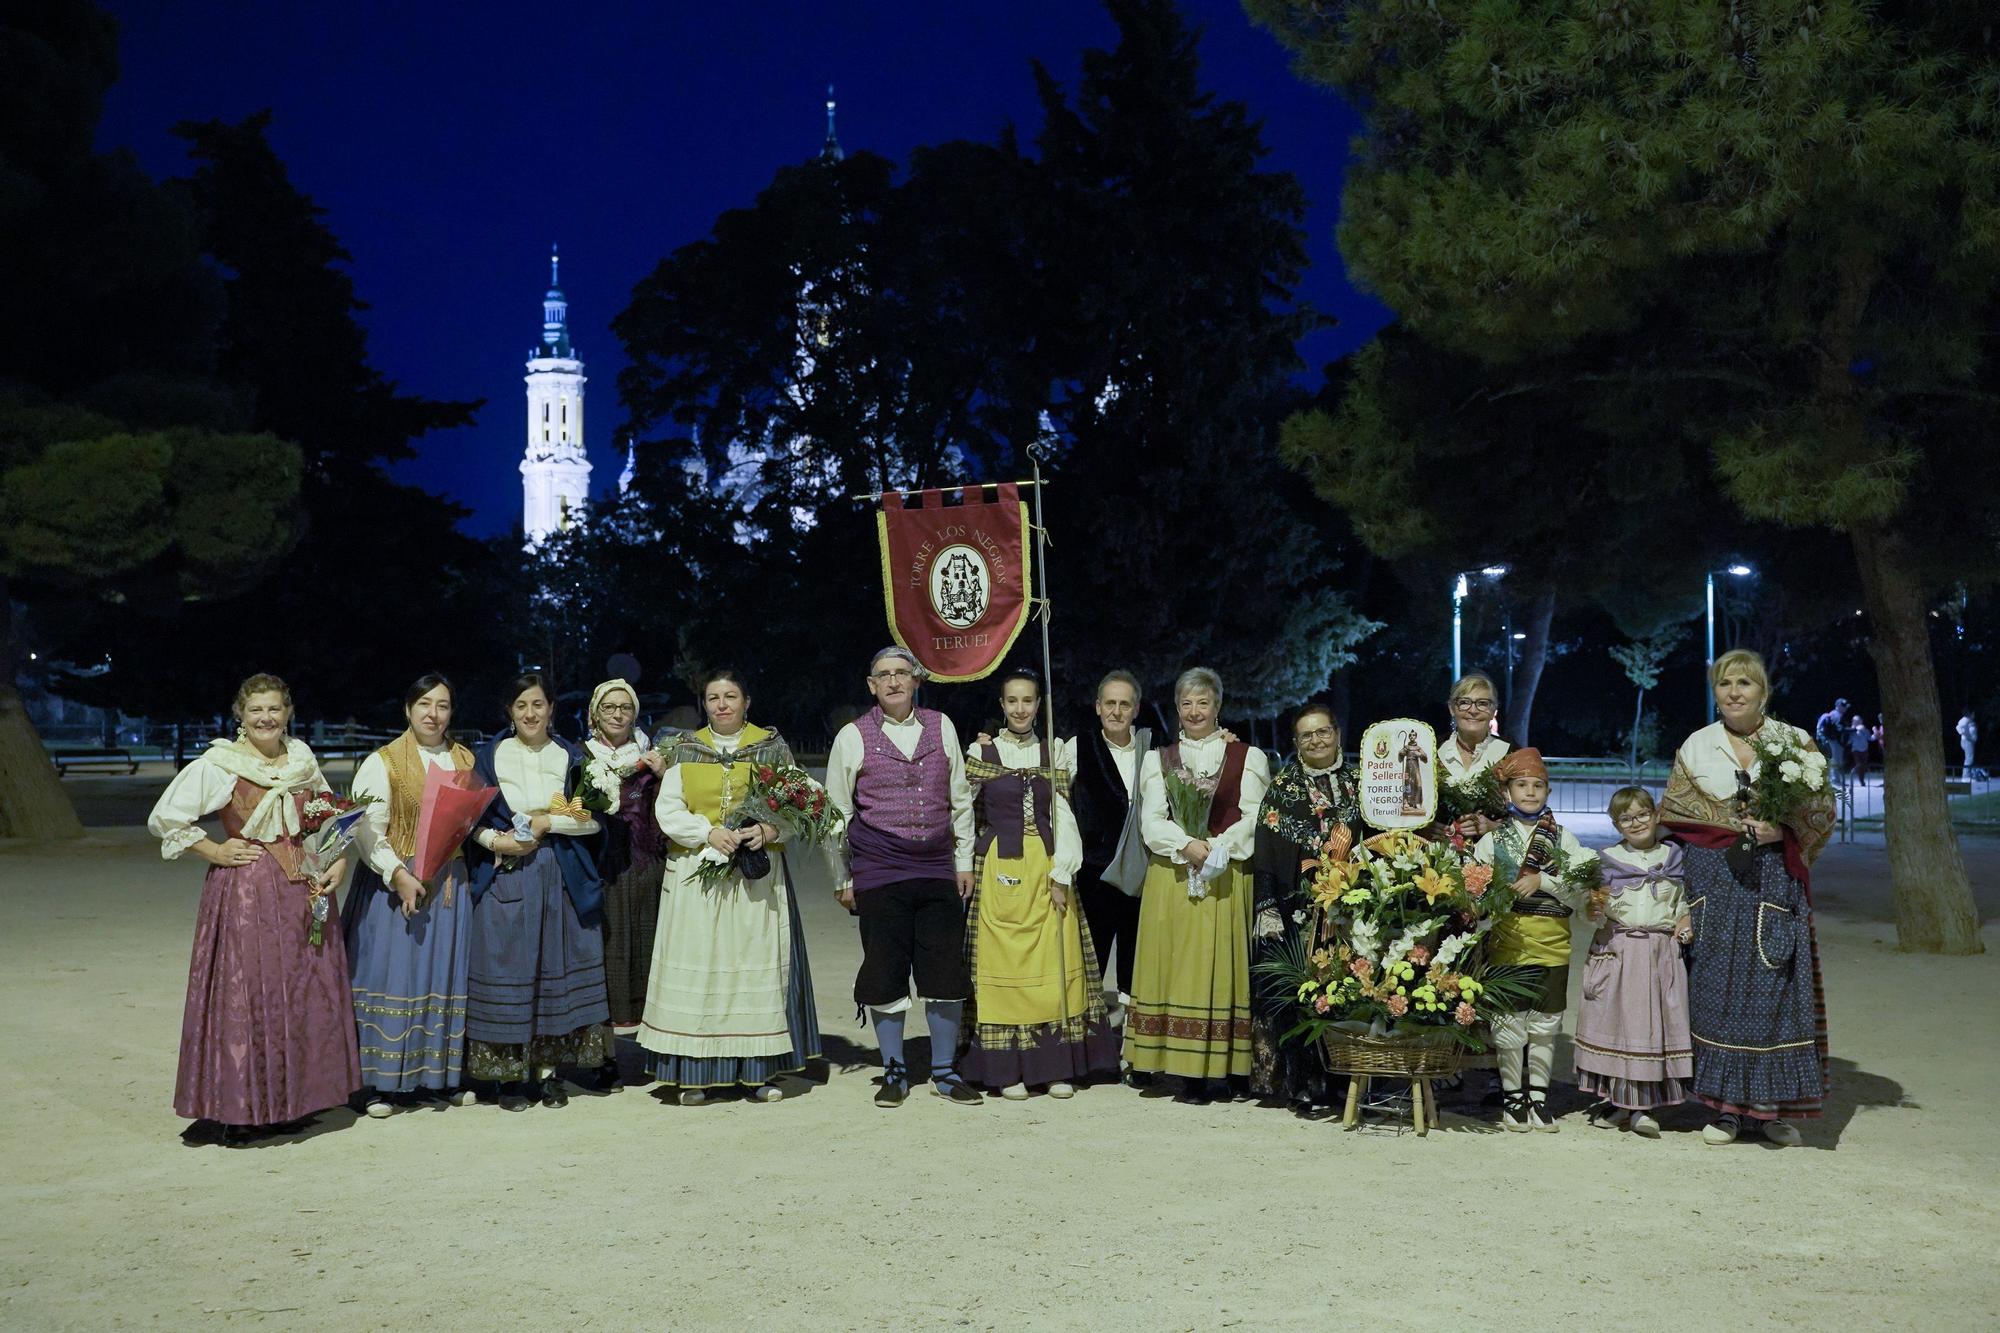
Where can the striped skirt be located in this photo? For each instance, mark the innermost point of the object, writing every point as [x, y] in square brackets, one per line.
[536, 972]
[729, 1002]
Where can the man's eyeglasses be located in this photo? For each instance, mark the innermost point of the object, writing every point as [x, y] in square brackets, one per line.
[1473, 705]
[894, 673]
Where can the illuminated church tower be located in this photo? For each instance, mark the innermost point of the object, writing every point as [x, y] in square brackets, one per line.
[555, 474]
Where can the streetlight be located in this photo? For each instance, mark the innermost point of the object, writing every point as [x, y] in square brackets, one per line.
[1459, 590]
[1739, 571]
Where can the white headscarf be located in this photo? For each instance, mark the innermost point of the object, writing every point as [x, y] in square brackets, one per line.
[596, 698]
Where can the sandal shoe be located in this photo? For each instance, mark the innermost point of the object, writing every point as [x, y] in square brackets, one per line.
[1722, 1129]
[1538, 1111]
[604, 1078]
[895, 1089]
[1061, 1090]
[952, 1088]
[693, 1097]
[1516, 1113]
[1015, 1092]
[1645, 1126]
[379, 1107]
[553, 1094]
[462, 1097]
[770, 1092]
[515, 1096]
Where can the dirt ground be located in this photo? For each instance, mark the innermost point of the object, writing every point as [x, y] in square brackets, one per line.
[1114, 1210]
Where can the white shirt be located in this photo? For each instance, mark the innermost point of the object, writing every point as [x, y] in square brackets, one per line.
[1067, 858]
[196, 792]
[1654, 905]
[1516, 832]
[1125, 756]
[1968, 730]
[1204, 759]
[371, 835]
[843, 766]
[619, 756]
[687, 827]
[1452, 759]
[529, 780]
[1710, 761]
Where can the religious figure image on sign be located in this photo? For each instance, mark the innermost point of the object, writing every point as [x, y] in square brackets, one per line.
[959, 584]
[1415, 762]
[1398, 774]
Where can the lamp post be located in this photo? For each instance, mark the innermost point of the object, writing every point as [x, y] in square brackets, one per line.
[1460, 587]
[1739, 571]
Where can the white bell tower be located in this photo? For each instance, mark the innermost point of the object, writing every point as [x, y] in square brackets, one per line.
[555, 474]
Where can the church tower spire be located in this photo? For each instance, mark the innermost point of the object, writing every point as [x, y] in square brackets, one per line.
[555, 312]
[555, 473]
[830, 151]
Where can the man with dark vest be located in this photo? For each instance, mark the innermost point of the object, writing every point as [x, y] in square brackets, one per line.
[1105, 797]
[898, 773]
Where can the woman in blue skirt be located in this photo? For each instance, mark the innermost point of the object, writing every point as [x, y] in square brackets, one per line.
[407, 941]
[1756, 1011]
[535, 999]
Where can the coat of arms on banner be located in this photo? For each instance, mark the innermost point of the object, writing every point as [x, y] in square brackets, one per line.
[955, 576]
[1398, 774]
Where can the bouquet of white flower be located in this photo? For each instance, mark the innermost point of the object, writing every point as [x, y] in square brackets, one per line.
[1791, 773]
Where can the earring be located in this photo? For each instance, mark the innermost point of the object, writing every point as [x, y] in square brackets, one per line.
[242, 732]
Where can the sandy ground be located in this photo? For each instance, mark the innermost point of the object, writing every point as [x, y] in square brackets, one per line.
[1115, 1210]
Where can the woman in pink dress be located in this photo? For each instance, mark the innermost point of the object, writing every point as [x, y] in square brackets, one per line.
[267, 1037]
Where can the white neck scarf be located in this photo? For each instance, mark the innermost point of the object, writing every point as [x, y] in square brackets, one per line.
[277, 815]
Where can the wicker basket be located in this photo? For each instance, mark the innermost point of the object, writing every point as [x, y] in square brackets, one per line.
[1389, 1057]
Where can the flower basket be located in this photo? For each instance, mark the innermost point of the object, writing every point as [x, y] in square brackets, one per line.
[1409, 1057]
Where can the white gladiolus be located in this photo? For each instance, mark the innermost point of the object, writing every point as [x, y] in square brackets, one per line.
[1367, 939]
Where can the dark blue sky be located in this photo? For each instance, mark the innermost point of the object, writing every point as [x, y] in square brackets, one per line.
[450, 145]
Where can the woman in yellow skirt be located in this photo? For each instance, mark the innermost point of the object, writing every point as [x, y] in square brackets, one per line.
[1190, 1009]
[1037, 1015]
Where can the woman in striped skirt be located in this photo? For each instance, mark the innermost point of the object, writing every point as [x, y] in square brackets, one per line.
[729, 1002]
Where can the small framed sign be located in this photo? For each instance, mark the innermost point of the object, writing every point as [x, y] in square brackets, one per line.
[1398, 774]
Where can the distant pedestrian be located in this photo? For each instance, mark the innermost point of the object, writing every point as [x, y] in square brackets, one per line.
[1831, 733]
[1968, 739]
[1858, 741]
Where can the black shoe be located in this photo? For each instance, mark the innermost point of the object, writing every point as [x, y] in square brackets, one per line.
[1194, 1092]
[895, 1089]
[515, 1096]
[953, 1089]
[604, 1078]
[553, 1093]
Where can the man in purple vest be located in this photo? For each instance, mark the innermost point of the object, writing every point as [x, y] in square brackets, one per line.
[898, 774]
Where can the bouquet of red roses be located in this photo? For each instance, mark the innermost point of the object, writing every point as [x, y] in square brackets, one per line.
[783, 795]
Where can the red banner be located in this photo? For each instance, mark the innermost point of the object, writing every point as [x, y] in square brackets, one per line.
[955, 576]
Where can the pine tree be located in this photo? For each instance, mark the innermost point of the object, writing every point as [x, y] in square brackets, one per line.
[1811, 190]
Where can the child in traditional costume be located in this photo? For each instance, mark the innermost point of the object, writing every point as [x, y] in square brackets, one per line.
[1037, 1016]
[1533, 853]
[1632, 1045]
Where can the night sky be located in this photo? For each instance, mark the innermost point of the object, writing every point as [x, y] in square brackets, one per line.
[450, 145]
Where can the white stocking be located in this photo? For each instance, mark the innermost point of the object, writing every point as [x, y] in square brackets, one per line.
[1541, 1063]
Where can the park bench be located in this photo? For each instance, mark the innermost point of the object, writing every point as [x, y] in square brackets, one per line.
[95, 761]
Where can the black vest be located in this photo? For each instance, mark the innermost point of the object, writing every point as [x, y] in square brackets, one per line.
[1098, 796]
